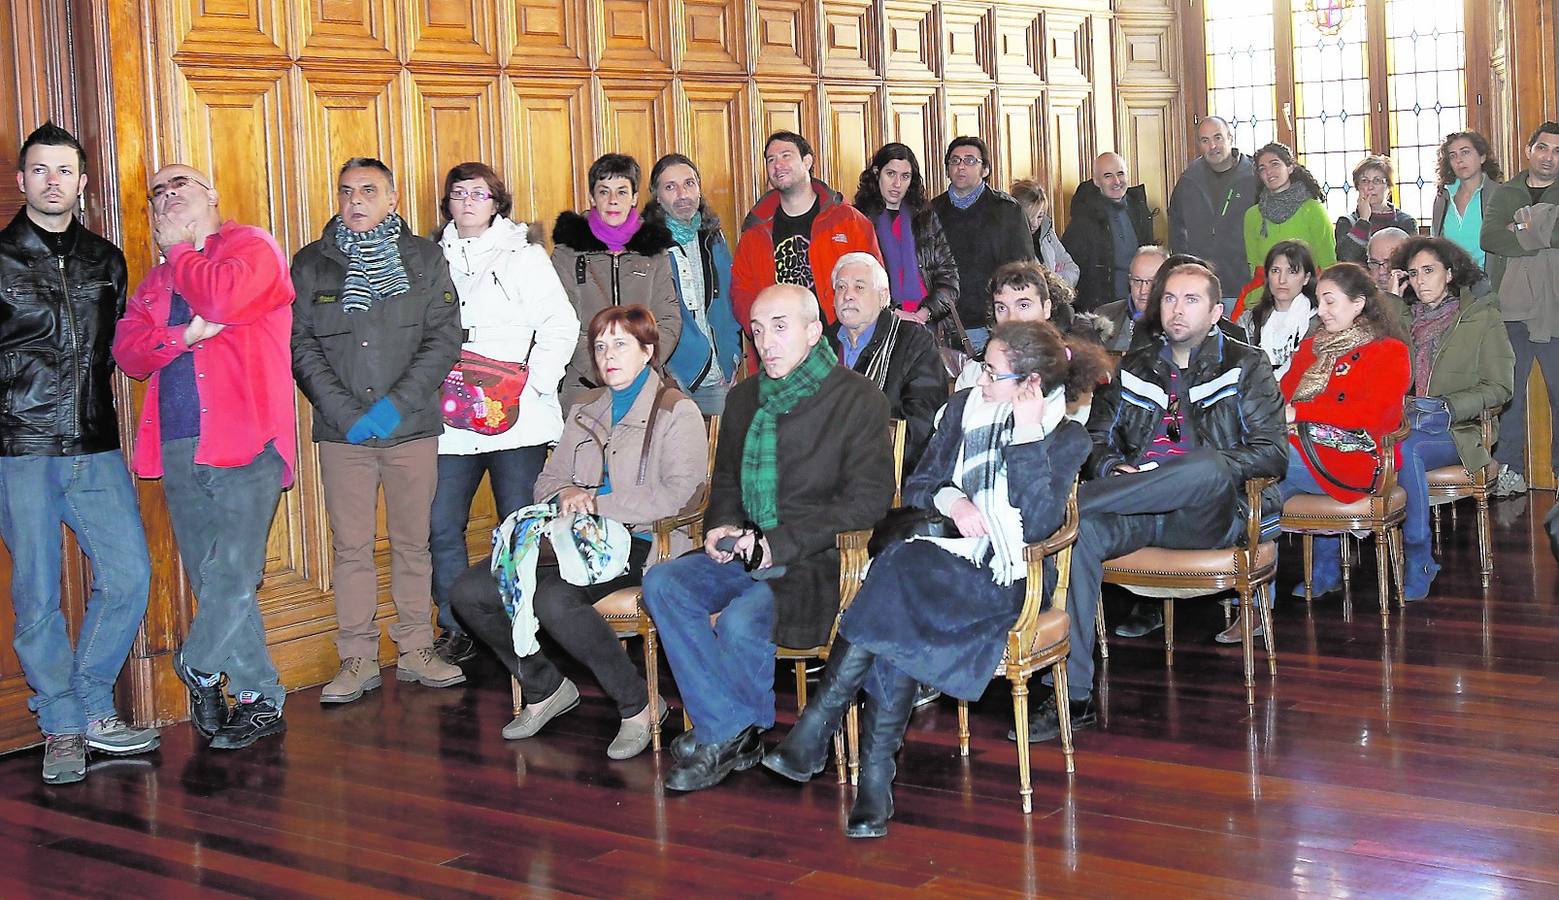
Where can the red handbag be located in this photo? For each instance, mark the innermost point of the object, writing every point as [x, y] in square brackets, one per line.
[482, 394]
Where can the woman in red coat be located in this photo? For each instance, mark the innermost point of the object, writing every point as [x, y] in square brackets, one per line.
[1344, 390]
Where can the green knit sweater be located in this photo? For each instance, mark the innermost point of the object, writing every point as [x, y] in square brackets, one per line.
[1310, 224]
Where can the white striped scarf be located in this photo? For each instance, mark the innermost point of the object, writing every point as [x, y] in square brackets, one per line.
[374, 269]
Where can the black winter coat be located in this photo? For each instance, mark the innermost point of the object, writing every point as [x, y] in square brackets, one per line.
[915, 381]
[57, 318]
[1089, 238]
[835, 474]
[938, 269]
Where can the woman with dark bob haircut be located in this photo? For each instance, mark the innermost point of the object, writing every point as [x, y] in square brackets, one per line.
[634, 451]
[937, 610]
[514, 312]
[1463, 364]
[922, 275]
[1284, 312]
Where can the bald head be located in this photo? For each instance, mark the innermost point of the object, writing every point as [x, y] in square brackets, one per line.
[1215, 140]
[1384, 245]
[785, 326]
[184, 205]
[1109, 174]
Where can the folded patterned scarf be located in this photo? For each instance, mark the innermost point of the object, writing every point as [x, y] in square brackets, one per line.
[374, 269]
[1329, 348]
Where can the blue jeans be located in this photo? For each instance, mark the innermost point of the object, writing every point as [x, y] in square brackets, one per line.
[1420, 453]
[724, 673]
[1326, 555]
[710, 396]
[513, 481]
[221, 518]
[93, 495]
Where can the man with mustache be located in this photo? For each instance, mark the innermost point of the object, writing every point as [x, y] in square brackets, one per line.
[62, 289]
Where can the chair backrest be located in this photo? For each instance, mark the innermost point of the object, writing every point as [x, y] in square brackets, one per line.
[1058, 544]
[897, 432]
[712, 423]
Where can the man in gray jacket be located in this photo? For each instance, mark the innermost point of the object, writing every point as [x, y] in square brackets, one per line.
[1207, 207]
[375, 329]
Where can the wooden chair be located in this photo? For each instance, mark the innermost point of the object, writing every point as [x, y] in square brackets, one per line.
[623, 609]
[1039, 638]
[1381, 513]
[1448, 484]
[1248, 570]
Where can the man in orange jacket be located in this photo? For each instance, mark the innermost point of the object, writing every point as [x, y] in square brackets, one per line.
[796, 232]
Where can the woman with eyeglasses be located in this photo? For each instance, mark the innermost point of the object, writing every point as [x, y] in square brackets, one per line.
[1284, 312]
[1463, 364]
[1372, 212]
[937, 610]
[1344, 393]
[514, 312]
[1288, 207]
[633, 450]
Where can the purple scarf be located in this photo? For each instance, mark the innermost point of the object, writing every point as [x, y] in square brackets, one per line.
[615, 237]
[896, 234]
[1429, 327]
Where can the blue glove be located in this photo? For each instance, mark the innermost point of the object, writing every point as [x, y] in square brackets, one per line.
[361, 431]
[383, 418]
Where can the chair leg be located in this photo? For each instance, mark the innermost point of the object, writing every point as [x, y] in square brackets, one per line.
[652, 681]
[1266, 625]
[840, 758]
[1397, 562]
[1434, 512]
[1064, 712]
[1453, 516]
[1485, 538]
[963, 728]
[1246, 612]
[801, 685]
[1169, 634]
[1099, 628]
[1020, 718]
[516, 695]
[1345, 542]
[1309, 542]
[852, 724]
[1383, 576]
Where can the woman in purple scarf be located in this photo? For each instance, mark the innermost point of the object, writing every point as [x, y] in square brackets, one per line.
[922, 275]
[611, 257]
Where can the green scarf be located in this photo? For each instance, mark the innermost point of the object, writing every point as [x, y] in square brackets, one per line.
[760, 452]
[685, 233]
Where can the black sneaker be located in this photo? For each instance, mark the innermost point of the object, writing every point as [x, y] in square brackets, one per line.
[207, 702]
[1045, 722]
[924, 694]
[1145, 618]
[247, 723]
[454, 647]
[710, 763]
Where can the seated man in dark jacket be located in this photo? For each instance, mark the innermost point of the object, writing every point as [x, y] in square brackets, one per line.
[1188, 421]
[1109, 222]
[899, 356]
[769, 567]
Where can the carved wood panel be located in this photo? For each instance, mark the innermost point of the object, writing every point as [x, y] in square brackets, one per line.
[1068, 47]
[364, 29]
[1145, 124]
[968, 45]
[454, 122]
[1146, 51]
[635, 35]
[550, 131]
[971, 110]
[854, 133]
[348, 115]
[914, 118]
[1019, 41]
[1069, 121]
[912, 37]
[784, 106]
[637, 120]
[714, 37]
[717, 119]
[1020, 144]
[257, 27]
[440, 32]
[787, 37]
[852, 47]
[548, 34]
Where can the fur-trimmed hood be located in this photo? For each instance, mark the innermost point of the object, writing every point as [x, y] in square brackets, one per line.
[572, 230]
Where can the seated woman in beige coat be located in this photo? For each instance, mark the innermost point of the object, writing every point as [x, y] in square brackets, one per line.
[634, 451]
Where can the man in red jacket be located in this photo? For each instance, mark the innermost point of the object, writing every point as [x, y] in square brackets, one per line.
[211, 329]
[796, 232]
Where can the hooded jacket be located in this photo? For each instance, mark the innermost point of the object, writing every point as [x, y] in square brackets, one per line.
[1089, 237]
[1474, 369]
[595, 278]
[1207, 222]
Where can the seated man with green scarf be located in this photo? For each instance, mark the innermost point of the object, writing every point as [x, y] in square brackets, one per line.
[803, 455]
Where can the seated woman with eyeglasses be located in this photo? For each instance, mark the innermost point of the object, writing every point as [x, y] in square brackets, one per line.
[1344, 393]
[635, 451]
[937, 610]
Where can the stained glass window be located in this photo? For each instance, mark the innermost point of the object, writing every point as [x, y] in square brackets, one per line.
[1241, 69]
[1331, 99]
[1427, 93]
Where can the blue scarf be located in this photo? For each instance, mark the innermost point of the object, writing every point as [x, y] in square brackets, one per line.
[896, 235]
[966, 202]
[622, 401]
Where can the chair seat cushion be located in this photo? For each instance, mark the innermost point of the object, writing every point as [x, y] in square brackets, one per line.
[1050, 628]
[1310, 505]
[1158, 560]
[621, 603]
[1455, 476]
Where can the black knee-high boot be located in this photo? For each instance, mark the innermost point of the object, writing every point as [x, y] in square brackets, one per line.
[882, 733]
[804, 751]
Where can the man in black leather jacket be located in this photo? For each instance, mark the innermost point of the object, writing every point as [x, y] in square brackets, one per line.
[62, 288]
[1189, 419]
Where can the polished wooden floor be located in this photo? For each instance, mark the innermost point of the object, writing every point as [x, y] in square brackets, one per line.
[1418, 761]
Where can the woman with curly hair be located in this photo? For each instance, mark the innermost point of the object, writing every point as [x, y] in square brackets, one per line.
[1469, 176]
[922, 274]
[1288, 207]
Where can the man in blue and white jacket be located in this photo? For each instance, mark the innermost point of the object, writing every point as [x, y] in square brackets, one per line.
[710, 349]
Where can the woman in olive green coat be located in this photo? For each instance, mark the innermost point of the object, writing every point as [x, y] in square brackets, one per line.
[1463, 365]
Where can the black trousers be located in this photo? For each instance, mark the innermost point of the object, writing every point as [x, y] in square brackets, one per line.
[567, 613]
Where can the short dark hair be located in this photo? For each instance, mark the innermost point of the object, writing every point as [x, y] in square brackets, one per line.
[1151, 322]
[1020, 274]
[503, 201]
[1458, 262]
[789, 137]
[967, 140]
[1545, 128]
[635, 321]
[367, 162]
[50, 135]
[615, 165]
[1214, 287]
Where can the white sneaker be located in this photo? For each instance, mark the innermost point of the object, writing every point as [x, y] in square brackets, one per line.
[1508, 484]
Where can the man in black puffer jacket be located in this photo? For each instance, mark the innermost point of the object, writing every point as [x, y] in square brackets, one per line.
[1109, 221]
[1189, 420]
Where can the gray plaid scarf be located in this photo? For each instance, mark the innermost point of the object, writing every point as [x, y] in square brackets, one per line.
[373, 263]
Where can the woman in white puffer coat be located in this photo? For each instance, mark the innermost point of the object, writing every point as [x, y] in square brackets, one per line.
[513, 310]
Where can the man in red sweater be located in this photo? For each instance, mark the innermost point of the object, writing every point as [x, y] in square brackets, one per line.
[210, 328]
[795, 232]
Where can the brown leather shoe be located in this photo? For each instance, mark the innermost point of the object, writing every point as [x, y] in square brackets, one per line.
[358, 674]
[424, 667]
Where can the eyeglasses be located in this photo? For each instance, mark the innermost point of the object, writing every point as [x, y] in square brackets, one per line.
[1375, 180]
[591, 460]
[1378, 265]
[462, 194]
[1139, 282]
[970, 161]
[990, 373]
[1172, 428]
[176, 183]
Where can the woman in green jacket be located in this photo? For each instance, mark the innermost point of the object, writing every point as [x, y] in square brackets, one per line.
[1288, 207]
[1462, 365]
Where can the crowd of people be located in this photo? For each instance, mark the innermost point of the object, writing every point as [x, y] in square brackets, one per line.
[1263, 341]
